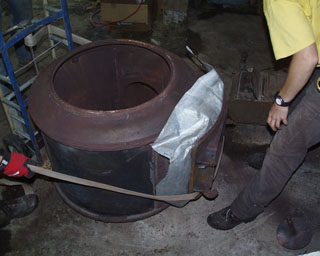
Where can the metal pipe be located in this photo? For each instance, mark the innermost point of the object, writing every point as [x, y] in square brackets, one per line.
[21, 88]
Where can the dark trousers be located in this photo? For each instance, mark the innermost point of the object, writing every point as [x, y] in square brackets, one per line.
[287, 151]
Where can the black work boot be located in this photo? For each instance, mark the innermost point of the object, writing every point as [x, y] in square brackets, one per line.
[17, 208]
[223, 219]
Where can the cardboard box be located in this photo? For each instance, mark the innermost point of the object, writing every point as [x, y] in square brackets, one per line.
[111, 11]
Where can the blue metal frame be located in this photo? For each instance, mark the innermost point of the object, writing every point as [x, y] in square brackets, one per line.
[4, 46]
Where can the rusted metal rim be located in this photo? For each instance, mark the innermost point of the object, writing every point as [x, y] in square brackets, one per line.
[112, 129]
[166, 56]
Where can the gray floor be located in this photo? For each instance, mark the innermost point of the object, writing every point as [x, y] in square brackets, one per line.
[55, 229]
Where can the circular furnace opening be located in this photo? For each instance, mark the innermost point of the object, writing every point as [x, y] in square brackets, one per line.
[111, 77]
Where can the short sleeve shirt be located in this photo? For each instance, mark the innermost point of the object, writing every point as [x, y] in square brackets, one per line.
[293, 25]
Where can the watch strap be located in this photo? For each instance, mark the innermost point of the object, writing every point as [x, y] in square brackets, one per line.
[280, 101]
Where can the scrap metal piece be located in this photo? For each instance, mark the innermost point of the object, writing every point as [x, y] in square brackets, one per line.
[99, 108]
[294, 232]
[252, 95]
[204, 66]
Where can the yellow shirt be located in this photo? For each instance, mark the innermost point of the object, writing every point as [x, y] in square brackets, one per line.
[293, 25]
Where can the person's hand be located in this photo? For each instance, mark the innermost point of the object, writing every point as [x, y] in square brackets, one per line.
[15, 165]
[277, 115]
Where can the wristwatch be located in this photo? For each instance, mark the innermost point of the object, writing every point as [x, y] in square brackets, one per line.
[279, 101]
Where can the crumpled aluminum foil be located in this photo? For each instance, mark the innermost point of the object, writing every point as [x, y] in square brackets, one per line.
[193, 116]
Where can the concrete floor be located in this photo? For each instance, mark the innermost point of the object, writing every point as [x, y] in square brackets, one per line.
[55, 229]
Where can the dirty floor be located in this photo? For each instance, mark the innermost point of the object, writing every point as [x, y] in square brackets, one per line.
[220, 38]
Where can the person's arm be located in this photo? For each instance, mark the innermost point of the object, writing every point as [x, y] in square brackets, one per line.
[301, 68]
[15, 164]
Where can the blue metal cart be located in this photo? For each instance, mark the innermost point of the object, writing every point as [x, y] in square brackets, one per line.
[18, 117]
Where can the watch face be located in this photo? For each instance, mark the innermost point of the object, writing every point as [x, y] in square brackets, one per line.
[278, 101]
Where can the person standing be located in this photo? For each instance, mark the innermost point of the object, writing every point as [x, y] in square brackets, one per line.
[294, 27]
